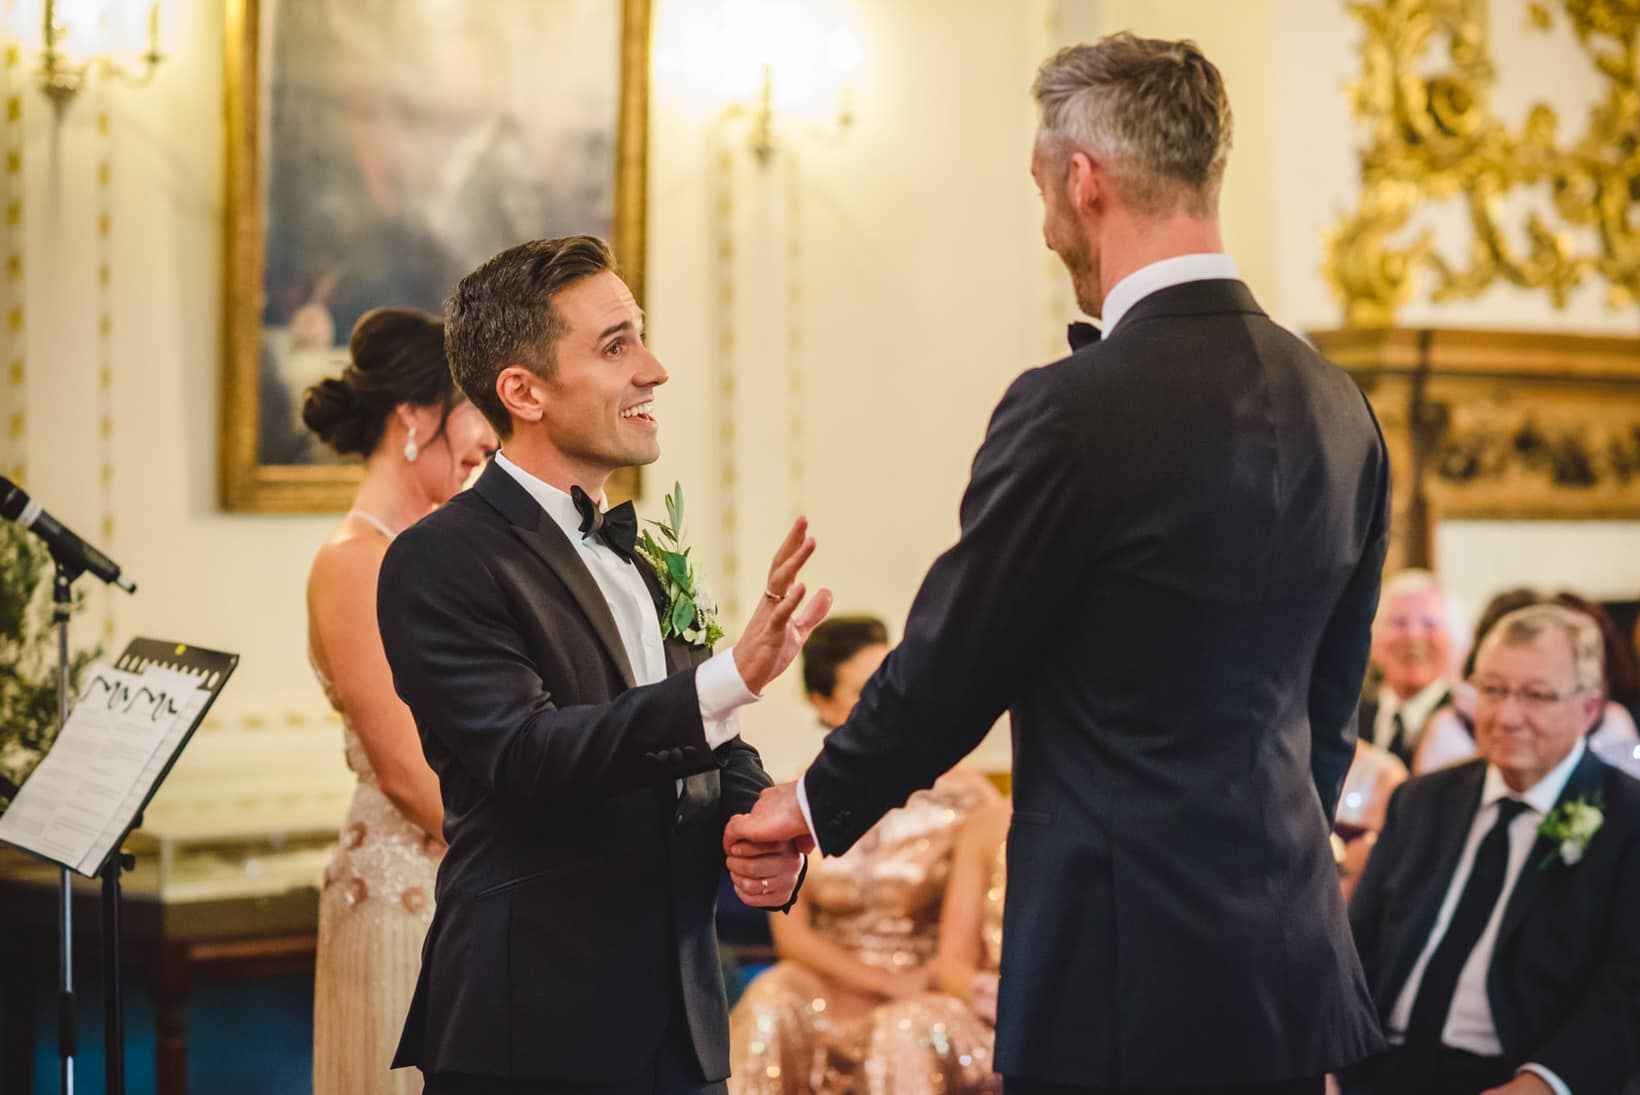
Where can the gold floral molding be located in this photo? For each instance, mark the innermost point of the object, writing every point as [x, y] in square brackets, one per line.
[1431, 135]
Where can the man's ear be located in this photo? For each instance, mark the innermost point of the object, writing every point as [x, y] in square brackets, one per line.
[520, 391]
[1084, 181]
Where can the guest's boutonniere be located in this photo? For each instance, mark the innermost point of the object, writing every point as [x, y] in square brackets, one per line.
[1570, 826]
[690, 611]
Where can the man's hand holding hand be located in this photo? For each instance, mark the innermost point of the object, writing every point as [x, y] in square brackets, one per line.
[764, 874]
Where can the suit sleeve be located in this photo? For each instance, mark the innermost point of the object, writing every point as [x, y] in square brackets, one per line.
[461, 666]
[1341, 658]
[1595, 1047]
[980, 624]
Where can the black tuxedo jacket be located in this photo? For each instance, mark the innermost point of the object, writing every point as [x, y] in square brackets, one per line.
[1564, 983]
[1169, 563]
[577, 899]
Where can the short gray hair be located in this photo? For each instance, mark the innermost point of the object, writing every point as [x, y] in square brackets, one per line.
[1155, 111]
[1525, 625]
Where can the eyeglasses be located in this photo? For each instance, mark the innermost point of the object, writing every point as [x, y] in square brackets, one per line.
[1533, 699]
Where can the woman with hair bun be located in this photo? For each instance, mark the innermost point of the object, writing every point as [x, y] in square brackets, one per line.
[396, 406]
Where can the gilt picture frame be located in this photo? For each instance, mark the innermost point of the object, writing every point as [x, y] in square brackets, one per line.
[376, 151]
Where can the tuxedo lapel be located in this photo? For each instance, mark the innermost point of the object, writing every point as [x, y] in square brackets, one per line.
[531, 524]
[1585, 779]
[1450, 830]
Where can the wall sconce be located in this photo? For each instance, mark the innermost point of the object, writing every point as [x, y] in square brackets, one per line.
[783, 64]
[79, 37]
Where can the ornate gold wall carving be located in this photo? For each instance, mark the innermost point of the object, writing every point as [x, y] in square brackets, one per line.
[1431, 135]
[1498, 425]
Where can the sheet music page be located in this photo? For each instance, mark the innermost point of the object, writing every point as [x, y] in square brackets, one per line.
[75, 795]
[185, 698]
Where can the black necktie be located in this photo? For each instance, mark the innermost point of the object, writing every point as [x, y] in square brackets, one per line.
[1398, 737]
[1480, 897]
[1081, 334]
[618, 528]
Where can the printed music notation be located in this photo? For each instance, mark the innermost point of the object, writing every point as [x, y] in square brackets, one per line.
[118, 739]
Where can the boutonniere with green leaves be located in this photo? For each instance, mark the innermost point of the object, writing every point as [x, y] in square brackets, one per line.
[690, 613]
[1570, 826]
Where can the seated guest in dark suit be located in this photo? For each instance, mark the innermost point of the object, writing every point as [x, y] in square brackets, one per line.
[1496, 918]
[1413, 636]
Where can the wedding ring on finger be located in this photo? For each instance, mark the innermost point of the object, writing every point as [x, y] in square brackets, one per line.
[771, 594]
[765, 885]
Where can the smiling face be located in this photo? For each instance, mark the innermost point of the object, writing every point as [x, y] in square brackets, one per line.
[595, 411]
[1411, 642]
[1530, 710]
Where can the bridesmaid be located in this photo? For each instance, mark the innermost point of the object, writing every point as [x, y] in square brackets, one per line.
[396, 405]
[864, 929]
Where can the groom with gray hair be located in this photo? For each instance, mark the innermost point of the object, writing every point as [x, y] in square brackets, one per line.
[1170, 554]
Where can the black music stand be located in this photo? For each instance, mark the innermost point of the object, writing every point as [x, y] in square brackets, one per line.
[210, 670]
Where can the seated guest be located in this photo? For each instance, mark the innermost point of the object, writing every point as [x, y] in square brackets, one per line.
[1495, 918]
[943, 1041]
[1450, 739]
[1413, 658]
[864, 927]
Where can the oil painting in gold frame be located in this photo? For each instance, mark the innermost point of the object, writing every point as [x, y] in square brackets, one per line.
[377, 150]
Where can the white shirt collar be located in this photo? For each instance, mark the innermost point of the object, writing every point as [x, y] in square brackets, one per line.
[559, 505]
[1415, 711]
[1206, 266]
[1542, 795]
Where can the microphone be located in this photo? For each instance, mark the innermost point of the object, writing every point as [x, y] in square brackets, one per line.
[66, 548]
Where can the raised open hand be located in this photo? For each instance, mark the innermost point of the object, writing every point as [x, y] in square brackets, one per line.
[777, 629]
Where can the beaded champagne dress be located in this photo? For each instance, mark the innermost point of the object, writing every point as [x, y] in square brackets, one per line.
[796, 1031]
[373, 914]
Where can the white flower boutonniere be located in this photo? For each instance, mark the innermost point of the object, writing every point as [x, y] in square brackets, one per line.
[691, 613]
[1570, 826]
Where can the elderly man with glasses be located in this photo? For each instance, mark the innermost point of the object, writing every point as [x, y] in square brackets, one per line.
[1496, 919]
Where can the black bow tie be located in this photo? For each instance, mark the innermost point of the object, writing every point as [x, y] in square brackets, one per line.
[1082, 334]
[618, 528]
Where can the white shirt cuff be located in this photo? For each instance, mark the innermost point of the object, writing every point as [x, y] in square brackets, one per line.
[808, 817]
[721, 693]
[1547, 1077]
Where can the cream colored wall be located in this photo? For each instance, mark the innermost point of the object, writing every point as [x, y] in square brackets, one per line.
[879, 290]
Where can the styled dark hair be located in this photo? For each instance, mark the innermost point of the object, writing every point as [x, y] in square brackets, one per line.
[502, 314]
[834, 642]
[397, 357]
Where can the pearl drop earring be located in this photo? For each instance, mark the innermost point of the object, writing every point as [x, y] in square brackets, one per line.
[411, 449]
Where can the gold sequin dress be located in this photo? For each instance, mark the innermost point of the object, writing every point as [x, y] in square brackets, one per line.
[373, 914]
[795, 1031]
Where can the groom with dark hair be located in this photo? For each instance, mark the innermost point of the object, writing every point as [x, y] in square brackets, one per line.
[1169, 562]
[587, 764]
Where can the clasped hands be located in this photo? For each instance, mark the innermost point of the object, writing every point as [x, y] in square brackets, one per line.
[765, 848]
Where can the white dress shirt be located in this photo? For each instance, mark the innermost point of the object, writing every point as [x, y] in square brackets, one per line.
[1469, 1023]
[1414, 713]
[718, 684]
[1208, 266]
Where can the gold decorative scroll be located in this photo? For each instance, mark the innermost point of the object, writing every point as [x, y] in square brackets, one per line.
[1424, 103]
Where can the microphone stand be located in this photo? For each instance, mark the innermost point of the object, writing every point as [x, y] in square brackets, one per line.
[62, 603]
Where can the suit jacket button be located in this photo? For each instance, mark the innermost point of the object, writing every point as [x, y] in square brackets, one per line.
[677, 756]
